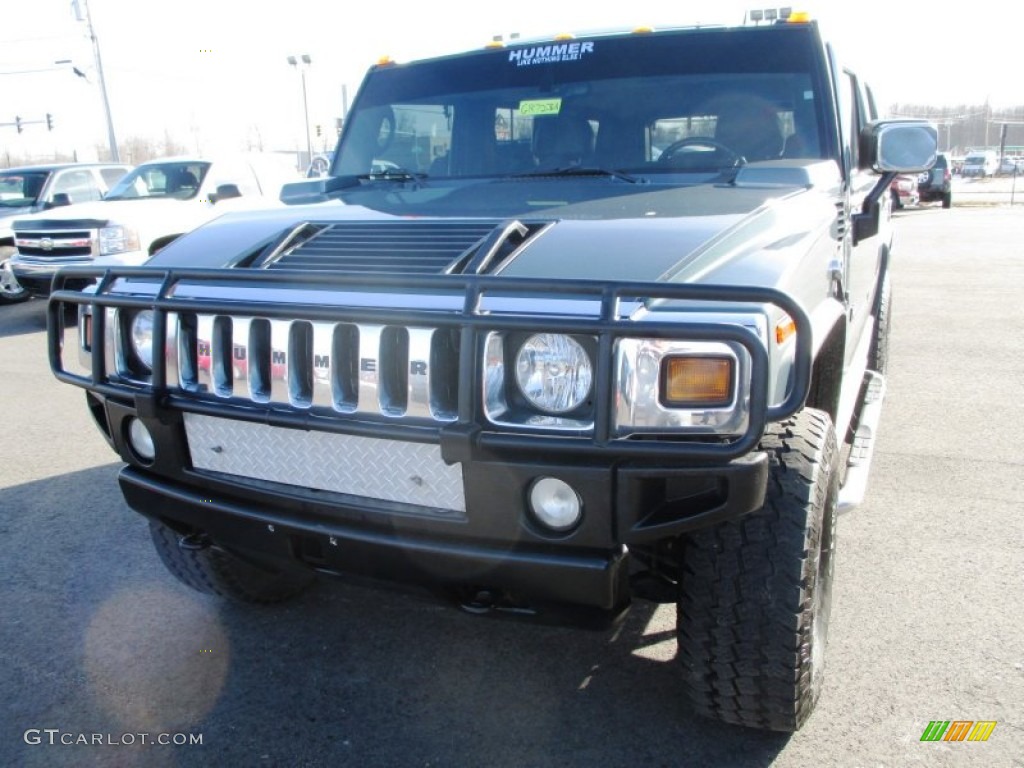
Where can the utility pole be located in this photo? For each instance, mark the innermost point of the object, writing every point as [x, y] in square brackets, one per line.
[99, 72]
[305, 62]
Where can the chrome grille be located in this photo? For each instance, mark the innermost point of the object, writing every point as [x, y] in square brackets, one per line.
[53, 243]
[356, 368]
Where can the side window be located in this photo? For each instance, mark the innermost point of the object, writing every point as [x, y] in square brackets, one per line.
[847, 115]
[78, 185]
[872, 107]
[112, 175]
[237, 173]
[856, 113]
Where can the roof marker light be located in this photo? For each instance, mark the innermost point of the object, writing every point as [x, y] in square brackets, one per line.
[565, 36]
[643, 30]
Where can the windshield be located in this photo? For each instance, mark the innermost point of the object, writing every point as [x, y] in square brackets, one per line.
[21, 190]
[178, 180]
[685, 102]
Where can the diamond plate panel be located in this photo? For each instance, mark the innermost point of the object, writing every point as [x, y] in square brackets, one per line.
[412, 473]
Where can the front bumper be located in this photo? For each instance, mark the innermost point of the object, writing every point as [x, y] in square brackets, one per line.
[36, 274]
[494, 544]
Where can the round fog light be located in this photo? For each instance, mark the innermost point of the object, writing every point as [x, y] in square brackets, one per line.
[141, 440]
[555, 504]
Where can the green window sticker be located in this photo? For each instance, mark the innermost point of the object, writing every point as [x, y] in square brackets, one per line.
[540, 107]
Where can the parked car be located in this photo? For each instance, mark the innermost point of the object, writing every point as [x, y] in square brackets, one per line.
[904, 191]
[981, 164]
[1010, 166]
[29, 189]
[147, 209]
[937, 182]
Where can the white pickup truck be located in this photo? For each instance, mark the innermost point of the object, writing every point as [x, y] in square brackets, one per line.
[149, 207]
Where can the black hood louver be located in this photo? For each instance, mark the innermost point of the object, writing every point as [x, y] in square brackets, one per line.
[400, 247]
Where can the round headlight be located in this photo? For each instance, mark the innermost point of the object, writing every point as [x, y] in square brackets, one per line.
[553, 372]
[142, 337]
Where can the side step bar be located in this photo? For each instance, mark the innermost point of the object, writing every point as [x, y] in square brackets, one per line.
[859, 464]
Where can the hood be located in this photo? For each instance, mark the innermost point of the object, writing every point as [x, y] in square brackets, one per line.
[173, 215]
[6, 214]
[7, 217]
[632, 232]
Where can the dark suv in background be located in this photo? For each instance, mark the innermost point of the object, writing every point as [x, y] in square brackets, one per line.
[936, 183]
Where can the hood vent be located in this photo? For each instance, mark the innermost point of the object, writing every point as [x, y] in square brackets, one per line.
[405, 247]
[372, 247]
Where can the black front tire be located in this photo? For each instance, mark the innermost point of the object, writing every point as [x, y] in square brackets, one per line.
[755, 594]
[216, 571]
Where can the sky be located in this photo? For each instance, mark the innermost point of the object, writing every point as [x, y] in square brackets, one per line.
[213, 75]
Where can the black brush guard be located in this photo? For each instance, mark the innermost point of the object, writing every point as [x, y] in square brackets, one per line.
[471, 430]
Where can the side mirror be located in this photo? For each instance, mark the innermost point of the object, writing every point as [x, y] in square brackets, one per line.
[899, 146]
[60, 199]
[891, 147]
[225, 192]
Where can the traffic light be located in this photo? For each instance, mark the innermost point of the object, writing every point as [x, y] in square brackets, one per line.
[319, 130]
[17, 123]
[49, 121]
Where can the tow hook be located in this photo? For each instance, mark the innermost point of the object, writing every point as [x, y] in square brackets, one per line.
[193, 542]
[485, 600]
[478, 601]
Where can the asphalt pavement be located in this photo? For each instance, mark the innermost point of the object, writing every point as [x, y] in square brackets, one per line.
[101, 648]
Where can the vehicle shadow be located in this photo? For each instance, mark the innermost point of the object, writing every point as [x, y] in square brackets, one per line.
[99, 638]
[24, 317]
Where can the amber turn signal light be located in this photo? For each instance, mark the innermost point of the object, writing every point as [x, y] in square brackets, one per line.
[697, 382]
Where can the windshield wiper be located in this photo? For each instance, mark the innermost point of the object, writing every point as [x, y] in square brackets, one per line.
[581, 170]
[393, 174]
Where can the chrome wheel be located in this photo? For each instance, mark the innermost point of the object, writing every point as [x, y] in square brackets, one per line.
[11, 290]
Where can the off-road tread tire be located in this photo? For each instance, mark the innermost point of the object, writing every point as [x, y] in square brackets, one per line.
[217, 572]
[947, 200]
[747, 588]
[878, 355]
